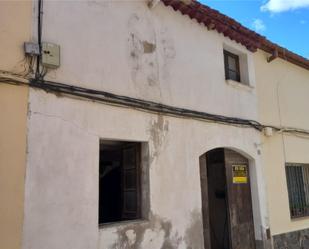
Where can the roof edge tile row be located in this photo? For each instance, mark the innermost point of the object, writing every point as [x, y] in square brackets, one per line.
[214, 20]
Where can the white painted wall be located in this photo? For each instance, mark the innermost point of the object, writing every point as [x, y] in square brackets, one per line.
[102, 48]
[62, 172]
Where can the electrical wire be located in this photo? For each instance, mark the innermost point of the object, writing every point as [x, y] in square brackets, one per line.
[38, 73]
[144, 105]
[113, 99]
[140, 104]
[150, 106]
[23, 76]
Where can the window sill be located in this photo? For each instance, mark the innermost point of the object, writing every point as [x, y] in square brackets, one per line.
[239, 85]
[123, 223]
[299, 218]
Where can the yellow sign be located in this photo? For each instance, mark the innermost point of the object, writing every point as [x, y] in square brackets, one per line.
[240, 174]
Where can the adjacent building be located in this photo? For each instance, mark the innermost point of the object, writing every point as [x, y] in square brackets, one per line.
[282, 89]
[155, 124]
[13, 121]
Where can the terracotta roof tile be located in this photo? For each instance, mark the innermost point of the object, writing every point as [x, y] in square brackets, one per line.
[214, 20]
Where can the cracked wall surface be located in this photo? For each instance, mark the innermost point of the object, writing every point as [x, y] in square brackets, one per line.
[62, 174]
[153, 54]
[157, 55]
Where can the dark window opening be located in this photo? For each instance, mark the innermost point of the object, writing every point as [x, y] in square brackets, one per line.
[231, 64]
[298, 189]
[119, 181]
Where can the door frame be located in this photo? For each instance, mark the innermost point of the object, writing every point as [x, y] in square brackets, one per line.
[204, 197]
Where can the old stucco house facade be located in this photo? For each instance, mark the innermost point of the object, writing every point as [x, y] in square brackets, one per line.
[159, 124]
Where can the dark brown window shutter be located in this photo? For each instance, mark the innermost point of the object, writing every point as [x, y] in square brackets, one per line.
[130, 182]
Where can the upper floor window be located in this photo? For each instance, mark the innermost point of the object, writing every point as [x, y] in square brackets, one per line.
[298, 188]
[231, 63]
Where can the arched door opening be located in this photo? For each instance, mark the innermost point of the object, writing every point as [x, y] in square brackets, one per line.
[226, 200]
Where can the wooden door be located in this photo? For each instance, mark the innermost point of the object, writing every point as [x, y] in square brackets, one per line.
[239, 201]
[205, 202]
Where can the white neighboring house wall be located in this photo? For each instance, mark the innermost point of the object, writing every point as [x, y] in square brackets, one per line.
[155, 54]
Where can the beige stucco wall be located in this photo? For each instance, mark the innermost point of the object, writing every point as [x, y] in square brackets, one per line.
[13, 109]
[15, 19]
[283, 91]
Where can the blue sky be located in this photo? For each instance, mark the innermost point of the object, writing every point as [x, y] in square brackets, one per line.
[285, 22]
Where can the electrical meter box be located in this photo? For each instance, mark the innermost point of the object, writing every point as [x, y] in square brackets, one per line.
[31, 48]
[50, 55]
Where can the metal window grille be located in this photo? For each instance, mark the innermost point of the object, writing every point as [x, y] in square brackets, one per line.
[298, 188]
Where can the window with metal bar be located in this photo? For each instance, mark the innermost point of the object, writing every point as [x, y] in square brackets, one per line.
[298, 189]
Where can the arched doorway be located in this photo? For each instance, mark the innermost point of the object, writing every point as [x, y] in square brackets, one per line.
[226, 200]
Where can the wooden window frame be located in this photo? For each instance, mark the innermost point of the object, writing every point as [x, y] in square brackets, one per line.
[126, 214]
[228, 54]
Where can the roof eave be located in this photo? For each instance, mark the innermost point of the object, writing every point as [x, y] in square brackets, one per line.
[214, 20]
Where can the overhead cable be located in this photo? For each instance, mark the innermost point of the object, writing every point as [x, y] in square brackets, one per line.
[148, 106]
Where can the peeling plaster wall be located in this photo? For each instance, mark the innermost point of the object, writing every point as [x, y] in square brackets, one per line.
[159, 55]
[62, 175]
